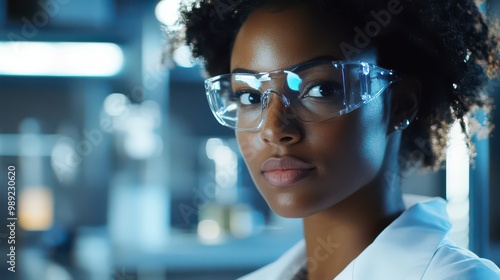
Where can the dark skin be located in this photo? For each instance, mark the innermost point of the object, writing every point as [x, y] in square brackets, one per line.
[347, 198]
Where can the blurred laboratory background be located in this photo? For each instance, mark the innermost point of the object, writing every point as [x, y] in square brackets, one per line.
[122, 172]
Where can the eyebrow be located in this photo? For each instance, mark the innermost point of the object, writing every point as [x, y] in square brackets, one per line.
[318, 58]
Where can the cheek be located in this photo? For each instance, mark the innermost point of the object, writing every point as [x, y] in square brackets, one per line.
[249, 147]
[357, 146]
[252, 149]
[373, 139]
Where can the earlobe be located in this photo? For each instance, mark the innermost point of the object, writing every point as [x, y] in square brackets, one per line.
[404, 103]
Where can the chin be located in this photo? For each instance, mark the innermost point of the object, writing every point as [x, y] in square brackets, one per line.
[290, 205]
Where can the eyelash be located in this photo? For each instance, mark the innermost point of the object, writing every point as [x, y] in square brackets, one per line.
[235, 96]
[312, 84]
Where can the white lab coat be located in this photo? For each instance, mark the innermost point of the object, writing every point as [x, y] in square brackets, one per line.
[414, 246]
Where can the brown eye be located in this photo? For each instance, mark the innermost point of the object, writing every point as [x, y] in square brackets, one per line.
[323, 90]
[247, 98]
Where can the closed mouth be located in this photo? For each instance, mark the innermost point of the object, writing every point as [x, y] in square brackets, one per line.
[285, 171]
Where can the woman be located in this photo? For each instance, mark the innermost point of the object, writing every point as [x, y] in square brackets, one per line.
[330, 101]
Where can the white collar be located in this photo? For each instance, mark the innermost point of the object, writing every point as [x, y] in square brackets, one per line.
[415, 235]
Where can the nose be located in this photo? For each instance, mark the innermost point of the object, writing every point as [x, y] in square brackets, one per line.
[280, 126]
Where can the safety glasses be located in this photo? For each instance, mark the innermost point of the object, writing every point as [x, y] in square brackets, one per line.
[313, 91]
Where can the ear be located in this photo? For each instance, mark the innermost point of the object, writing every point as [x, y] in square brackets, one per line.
[405, 100]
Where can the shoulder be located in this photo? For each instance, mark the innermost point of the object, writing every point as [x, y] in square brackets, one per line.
[453, 262]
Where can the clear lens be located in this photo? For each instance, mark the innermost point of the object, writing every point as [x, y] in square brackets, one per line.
[314, 92]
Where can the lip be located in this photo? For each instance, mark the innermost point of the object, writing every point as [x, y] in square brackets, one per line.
[285, 171]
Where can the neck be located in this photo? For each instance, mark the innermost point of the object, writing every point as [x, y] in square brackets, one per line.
[337, 235]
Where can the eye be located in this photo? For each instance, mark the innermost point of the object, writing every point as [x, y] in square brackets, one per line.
[323, 90]
[248, 98]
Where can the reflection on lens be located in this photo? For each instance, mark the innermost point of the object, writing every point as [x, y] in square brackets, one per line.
[249, 117]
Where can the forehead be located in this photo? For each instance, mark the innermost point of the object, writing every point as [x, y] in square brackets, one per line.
[270, 40]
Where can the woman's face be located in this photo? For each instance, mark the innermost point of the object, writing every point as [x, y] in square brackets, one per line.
[304, 168]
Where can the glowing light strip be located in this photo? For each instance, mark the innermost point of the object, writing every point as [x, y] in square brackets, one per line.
[457, 186]
[60, 59]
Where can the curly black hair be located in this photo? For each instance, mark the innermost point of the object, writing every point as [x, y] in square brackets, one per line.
[446, 44]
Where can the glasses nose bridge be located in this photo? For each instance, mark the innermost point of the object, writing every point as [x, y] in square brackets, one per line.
[275, 83]
[266, 98]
